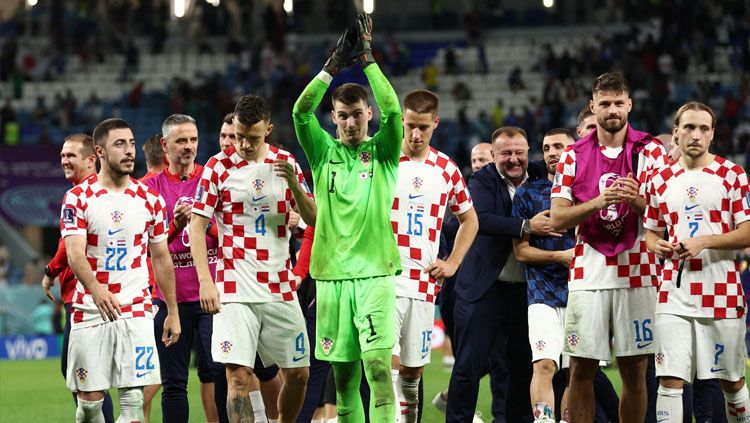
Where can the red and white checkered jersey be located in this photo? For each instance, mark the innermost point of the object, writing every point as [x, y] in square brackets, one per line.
[590, 269]
[693, 203]
[423, 191]
[251, 205]
[117, 227]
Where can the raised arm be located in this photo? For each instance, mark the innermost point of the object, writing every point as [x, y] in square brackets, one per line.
[309, 133]
[391, 131]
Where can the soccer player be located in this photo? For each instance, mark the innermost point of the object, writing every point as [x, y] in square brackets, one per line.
[547, 261]
[354, 255]
[177, 184]
[78, 161]
[610, 281]
[701, 200]
[481, 155]
[226, 133]
[428, 182]
[108, 222]
[247, 188]
[156, 159]
[586, 122]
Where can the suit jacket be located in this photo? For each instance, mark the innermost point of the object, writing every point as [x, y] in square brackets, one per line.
[493, 244]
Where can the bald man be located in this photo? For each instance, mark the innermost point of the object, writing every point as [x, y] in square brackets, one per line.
[481, 154]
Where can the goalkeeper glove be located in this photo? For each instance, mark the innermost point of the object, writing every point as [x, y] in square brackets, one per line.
[341, 57]
[364, 31]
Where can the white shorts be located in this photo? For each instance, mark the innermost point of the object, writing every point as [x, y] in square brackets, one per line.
[590, 315]
[119, 354]
[712, 348]
[546, 329]
[414, 322]
[275, 330]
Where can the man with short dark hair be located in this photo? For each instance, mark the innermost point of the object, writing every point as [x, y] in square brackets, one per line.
[226, 133]
[586, 122]
[78, 161]
[611, 281]
[109, 222]
[428, 183]
[355, 183]
[250, 189]
[156, 159]
[547, 261]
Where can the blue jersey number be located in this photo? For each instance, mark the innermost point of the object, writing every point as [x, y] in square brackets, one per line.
[260, 225]
[115, 257]
[693, 228]
[414, 224]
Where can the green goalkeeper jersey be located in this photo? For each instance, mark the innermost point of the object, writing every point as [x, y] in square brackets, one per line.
[354, 186]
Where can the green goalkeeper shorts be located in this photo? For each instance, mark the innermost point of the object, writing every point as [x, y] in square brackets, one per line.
[354, 316]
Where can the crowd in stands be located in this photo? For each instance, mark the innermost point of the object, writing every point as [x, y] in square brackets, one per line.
[670, 54]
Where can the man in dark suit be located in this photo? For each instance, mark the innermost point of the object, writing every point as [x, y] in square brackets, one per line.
[490, 285]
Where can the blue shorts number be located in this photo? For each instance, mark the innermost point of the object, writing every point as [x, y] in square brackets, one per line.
[148, 354]
[719, 349]
[426, 341]
[299, 343]
[643, 331]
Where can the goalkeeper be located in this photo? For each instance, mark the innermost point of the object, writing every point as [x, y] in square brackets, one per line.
[354, 255]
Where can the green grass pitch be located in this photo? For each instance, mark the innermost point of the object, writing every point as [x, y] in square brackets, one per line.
[34, 391]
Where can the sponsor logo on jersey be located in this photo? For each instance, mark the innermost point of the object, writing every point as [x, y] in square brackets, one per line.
[540, 345]
[326, 344]
[692, 192]
[256, 199]
[82, 374]
[69, 216]
[114, 231]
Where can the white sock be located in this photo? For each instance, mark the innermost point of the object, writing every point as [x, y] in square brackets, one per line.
[316, 421]
[89, 411]
[738, 405]
[259, 408]
[669, 405]
[399, 394]
[543, 412]
[409, 391]
[131, 405]
[273, 420]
